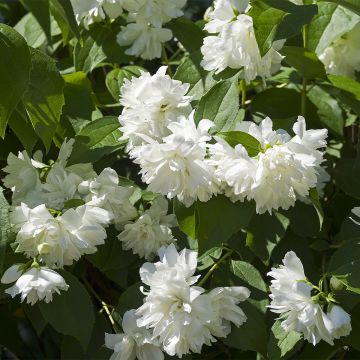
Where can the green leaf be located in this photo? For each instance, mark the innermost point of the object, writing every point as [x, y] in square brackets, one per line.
[252, 335]
[233, 138]
[73, 203]
[266, 231]
[186, 218]
[115, 78]
[281, 21]
[131, 298]
[219, 219]
[5, 228]
[187, 32]
[41, 11]
[314, 197]
[347, 176]
[190, 71]
[209, 258]
[282, 342]
[344, 280]
[329, 111]
[96, 139]
[31, 31]
[77, 91]
[71, 312]
[304, 61]
[20, 124]
[44, 97]
[64, 14]
[347, 84]
[330, 23]
[34, 315]
[352, 5]
[14, 72]
[220, 104]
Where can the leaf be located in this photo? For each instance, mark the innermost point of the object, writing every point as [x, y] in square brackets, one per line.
[41, 11]
[44, 97]
[190, 71]
[209, 258]
[5, 228]
[306, 62]
[329, 111]
[115, 78]
[344, 280]
[219, 218]
[252, 335]
[233, 138]
[188, 34]
[34, 315]
[220, 104]
[131, 298]
[352, 5]
[186, 218]
[266, 231]
[347, 177]
[331, 22]
[71, 312]
[281, 21]
[314, 197]
[73, 203]
[31, 31]
[77, 91]
[347, 84]
[96, 139]
[14, 72]
[282, 342]
[64, 14]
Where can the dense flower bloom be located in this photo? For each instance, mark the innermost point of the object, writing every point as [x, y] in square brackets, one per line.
[182, 316]
[134, 343]
[105, 192]
[177, 167]
[151, 231]
[290, 167]
[291, 297]
[145, 40]
[59, 240]
[37, 283]
[342, 57]
[150, 104]
[234, 43]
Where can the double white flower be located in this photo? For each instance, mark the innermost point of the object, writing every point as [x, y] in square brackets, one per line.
[180, 314]
[291, 297]
[285, 169]
[151, 103]
[234, 43]
[34, 284]
[150, 231]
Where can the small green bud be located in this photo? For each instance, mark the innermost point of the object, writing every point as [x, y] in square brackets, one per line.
[336, 284]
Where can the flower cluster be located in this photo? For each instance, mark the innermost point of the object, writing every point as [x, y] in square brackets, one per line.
[233, 43]
[61, 212]
[177, 316]
[291, 295]
[144, 31]
[289, 166]
[342, 56]
[163, 138]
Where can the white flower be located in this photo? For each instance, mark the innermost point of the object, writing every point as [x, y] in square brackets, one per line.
[37, 283]
[88, 11]
[150, 232]
[145, 40]
[150, 104]
[224, 301]
[342, 57]
[61, 240]
[291, 297]
[135, 342]
[60, 186]
[235, 46]
[155, 12]
[182, 316]
[177, 167]
[284, 170]
[112, 8]
[23, 178]
[183, 263]
[340, 322]
[104, 191]
[224, 12]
